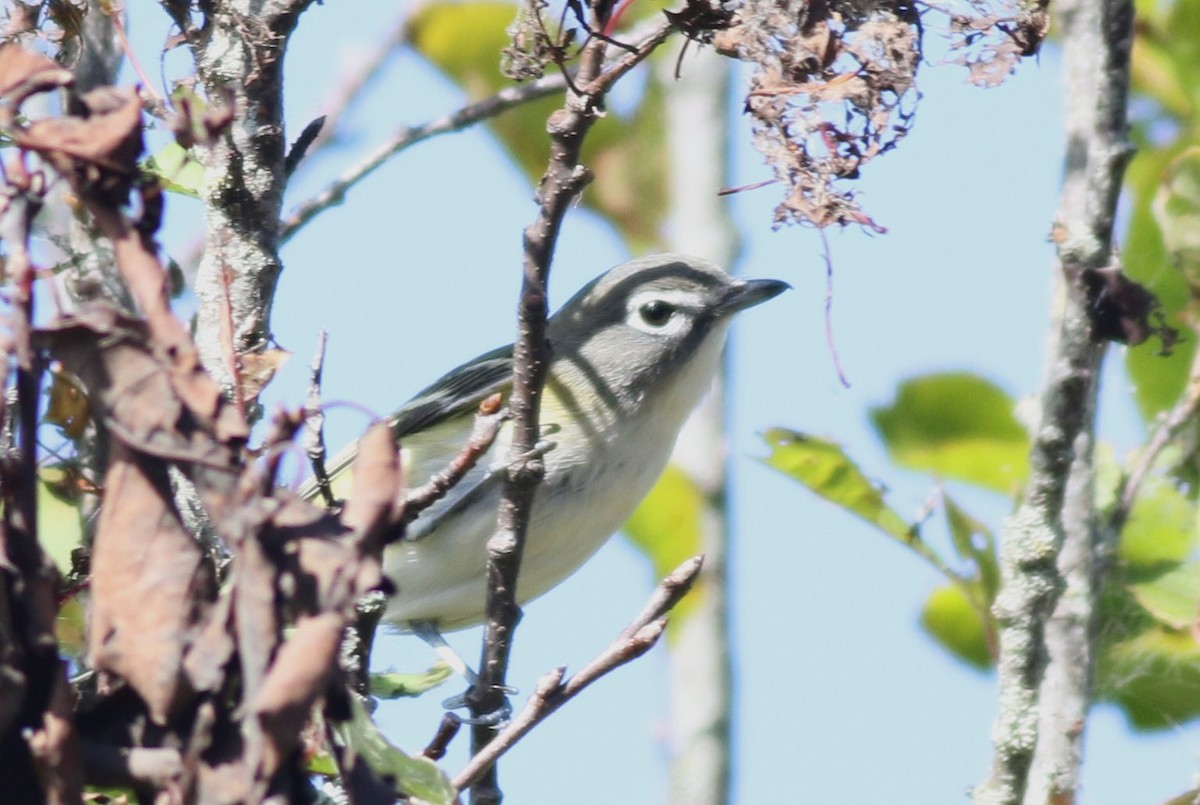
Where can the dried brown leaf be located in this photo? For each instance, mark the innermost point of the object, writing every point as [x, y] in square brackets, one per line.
[376, 481]
[211, 650]
[258, 368]
[298, 676]
[1121, 310]
[110, 135]
[68, 407]
[148, 583]
[23, 73]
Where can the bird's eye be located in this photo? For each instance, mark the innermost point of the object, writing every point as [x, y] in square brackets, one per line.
[657, 312]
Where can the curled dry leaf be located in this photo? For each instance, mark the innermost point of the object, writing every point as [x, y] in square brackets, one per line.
[298, 676]
[23, 73]
[1121, 310]
[376, 481]
[148, 583]
[257, 370]
[142, 396]
[98, 148]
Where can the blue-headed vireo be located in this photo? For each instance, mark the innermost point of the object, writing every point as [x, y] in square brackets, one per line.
[632, 353]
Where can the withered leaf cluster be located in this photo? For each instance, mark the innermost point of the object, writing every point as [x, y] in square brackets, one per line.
[192, 690]
[835, 85]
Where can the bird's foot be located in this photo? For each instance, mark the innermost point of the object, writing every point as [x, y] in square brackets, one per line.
[498, 716]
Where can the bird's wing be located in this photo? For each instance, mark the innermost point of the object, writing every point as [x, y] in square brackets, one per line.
[457, 393]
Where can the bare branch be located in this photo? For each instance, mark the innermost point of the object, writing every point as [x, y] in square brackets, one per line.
[314, 421]
[407, 136]
[350, 88]
[35, 716]
[552, 693]
[1050, 544]
[487, 424]
[559, 187]
[1168, 428]
[239, 55]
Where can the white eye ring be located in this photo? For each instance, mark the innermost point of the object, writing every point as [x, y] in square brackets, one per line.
[660, 312]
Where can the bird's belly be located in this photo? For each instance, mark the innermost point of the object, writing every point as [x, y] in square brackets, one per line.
[441, 578]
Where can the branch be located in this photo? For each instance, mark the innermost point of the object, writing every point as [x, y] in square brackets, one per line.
[406, 136]
[1050, 544]
[351, 87]
[239, 55]
[1168, 428]
[37, 732]
[552, 693]
[561, 184]
[469, 115]
[484, 431]
[314, 421]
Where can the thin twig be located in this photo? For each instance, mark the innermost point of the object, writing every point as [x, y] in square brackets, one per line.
[551, 692]
[633, 57]
[1179, 416]
[314, 421]
[488, 421]
[829, 341]
[158, 104]
[352, 86]
[447, 729]
[407, 136]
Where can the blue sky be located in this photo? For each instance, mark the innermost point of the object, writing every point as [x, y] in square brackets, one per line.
[841, 697]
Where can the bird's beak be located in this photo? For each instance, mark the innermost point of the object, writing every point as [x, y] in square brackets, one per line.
[748, 293]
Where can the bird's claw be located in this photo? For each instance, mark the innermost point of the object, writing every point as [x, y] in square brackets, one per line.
[497, 718]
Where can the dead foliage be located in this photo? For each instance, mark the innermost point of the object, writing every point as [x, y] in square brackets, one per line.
[835, 85]
[189, 689]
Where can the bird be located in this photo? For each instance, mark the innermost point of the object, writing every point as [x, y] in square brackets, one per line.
[632, 353]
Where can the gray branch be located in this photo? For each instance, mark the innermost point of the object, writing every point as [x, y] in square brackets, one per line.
[562, 183]
[406, 136]
[239, 57]
[1052, 554]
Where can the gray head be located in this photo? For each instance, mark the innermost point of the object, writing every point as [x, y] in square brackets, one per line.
[632, 330]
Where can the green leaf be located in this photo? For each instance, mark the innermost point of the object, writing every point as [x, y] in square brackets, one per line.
[956, 425]
[1158, 380]
[323, 764]
[974, 542]
[70, 628]
[1161, 527]
[824, 467]
[1176, 209]
[1154, 677]
[1173, 598]
[952, 620]
[417, 777]
[176, 170]
[666, 527]
[59, 528]
[398, 686]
